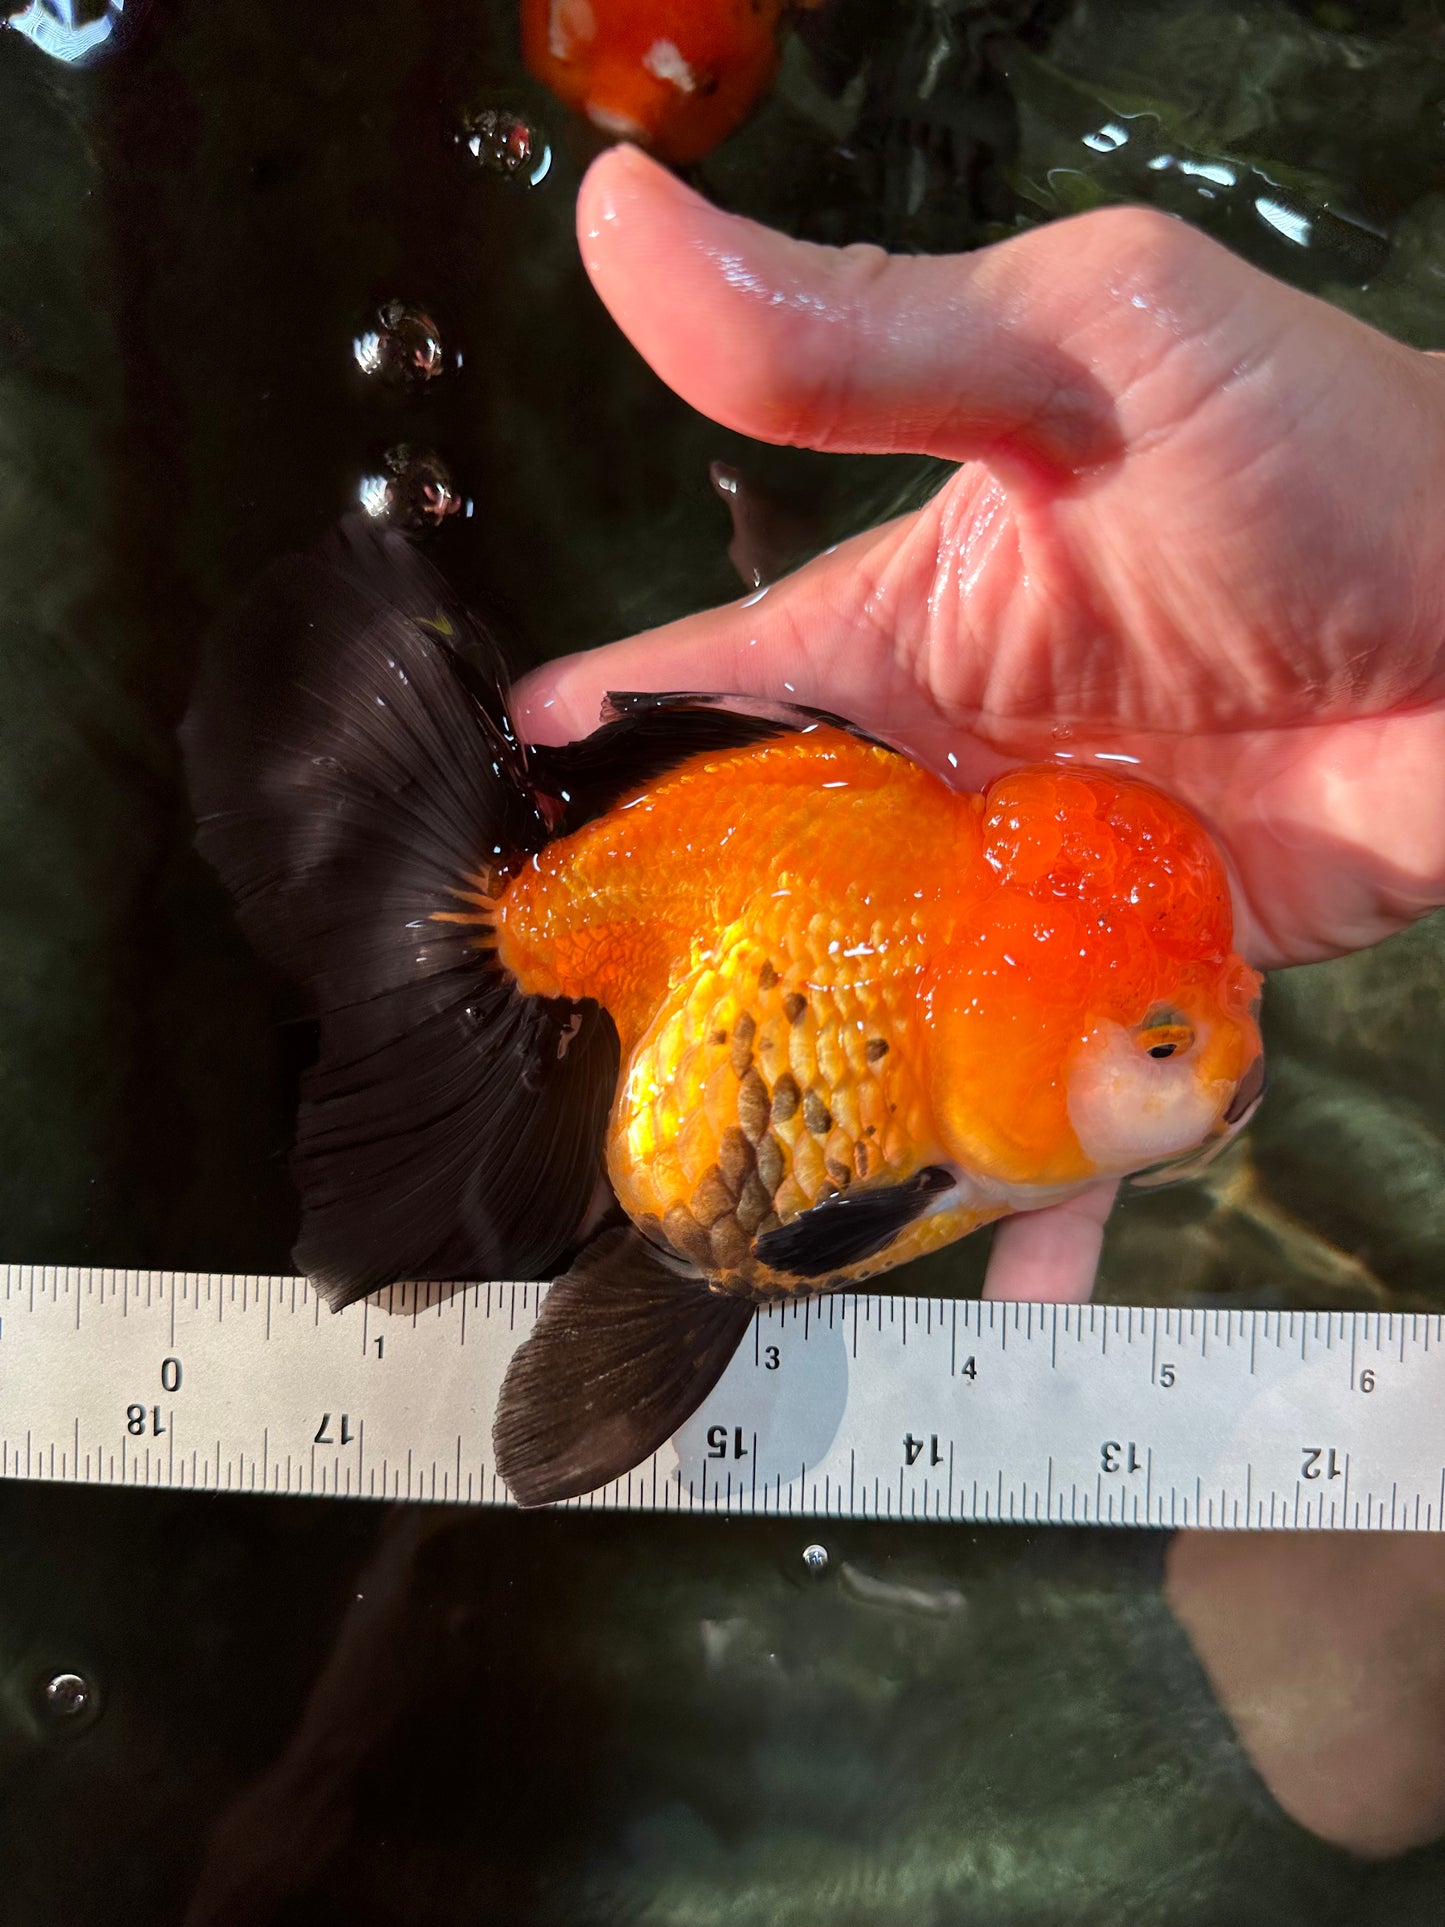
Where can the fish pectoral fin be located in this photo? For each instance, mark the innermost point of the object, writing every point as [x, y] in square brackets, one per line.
[627, 1346]
[854, 1225]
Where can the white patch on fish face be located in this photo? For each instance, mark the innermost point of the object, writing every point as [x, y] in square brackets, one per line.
[664, 59]
[1129, 1109]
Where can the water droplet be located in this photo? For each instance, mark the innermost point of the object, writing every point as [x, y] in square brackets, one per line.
[509, 144]
[415, 492]
[66, 1696]
[1062, 732]
[404, 346]
[815, 1559]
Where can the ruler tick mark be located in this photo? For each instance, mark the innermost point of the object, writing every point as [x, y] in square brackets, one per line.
[435, 1403]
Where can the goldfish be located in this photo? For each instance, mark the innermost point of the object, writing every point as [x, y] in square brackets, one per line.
[676, 75]
[727, 1002]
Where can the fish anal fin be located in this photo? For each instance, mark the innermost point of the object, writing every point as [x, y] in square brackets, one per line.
[628, 1344]
[851, 1227]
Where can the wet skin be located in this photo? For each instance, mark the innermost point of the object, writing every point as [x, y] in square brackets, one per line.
[1197, 523]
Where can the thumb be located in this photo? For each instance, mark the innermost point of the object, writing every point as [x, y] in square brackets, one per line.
[1020, 350]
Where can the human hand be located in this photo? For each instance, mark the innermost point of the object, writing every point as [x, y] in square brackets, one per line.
[1197, 526]
[1324, 1651]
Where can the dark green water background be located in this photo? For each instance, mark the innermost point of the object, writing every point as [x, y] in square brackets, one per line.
[321, 1712]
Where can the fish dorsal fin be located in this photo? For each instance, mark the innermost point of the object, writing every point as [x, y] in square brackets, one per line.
[628, 1345]
[854, 1225]
[644, 735]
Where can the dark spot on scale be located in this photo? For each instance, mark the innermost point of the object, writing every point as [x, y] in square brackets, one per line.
[794, 1004]
[877, 1047]
[860, 1158]
[816, 1115]
[754, 1205]
[742, 1044]
[870, 1130]
[786, 1097]
[767, 977]
[838, 1172]
[735, 1159]
[713, 1198]
[771, 1163]
[718, 1037]
[730, 1244]
[753, 1105]
[686, 1235]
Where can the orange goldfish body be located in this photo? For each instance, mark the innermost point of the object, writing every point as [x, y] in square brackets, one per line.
[811, 1011]
[676, 75]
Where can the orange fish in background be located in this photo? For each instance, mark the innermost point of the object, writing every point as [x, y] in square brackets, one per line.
[676, 75]
[809, 1011]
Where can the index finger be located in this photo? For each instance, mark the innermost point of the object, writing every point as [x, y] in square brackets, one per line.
[803, 637]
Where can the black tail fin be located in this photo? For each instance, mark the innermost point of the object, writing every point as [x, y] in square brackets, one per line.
[356, 777]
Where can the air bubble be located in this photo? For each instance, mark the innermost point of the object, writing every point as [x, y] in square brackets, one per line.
[68, 1699]
[404, 347]
[815, 1560]
[509, 144]
[415, 492]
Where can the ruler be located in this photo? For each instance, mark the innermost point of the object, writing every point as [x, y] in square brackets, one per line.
[853, 1406]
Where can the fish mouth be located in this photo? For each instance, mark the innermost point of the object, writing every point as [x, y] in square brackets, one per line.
[1248, 1093]
[1190, 1164]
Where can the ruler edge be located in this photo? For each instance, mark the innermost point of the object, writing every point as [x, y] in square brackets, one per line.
[440, 1295]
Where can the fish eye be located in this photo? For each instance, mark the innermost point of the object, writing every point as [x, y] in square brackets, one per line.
[1162, 1034]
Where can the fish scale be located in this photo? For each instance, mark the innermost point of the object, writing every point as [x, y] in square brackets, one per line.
[777, 1059]
[759, 1091]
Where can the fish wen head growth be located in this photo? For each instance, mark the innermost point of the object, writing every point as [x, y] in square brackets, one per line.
[1090, 1017]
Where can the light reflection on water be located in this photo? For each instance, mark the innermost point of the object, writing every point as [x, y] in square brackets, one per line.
[65, 29]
